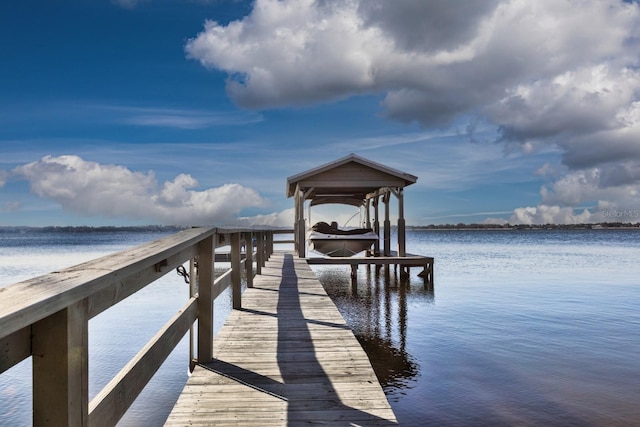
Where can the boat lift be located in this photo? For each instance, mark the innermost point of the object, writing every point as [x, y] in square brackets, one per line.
[356, 181]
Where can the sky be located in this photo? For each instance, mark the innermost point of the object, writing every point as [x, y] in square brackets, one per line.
[187, 112]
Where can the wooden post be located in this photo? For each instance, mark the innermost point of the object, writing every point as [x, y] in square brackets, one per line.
[192, 292]
[402, 251]
[296, 220]
[248, 262]
[270, 243]
[427, 274]
[260, 252]
[302, 244]
[206, 255]
[60, 367]
[236, 281]
[376, 226]
[368, 213]
[387, 225]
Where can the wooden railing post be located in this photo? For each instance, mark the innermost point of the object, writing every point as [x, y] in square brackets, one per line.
[236, 281]
[60, 367]
[260, 252]
[269, 244]
[206, 254]
[193, 291]
[248, 263]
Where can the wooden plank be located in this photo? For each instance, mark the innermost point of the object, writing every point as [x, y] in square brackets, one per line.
[14, 348]
[114, 400]
[286, 358]
[125, 287]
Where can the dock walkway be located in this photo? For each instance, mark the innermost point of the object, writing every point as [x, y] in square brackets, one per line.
[286, 358]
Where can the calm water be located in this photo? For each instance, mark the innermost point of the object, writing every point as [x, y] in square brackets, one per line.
[523, 328]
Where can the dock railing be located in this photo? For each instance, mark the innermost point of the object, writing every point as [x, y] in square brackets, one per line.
[46, 318]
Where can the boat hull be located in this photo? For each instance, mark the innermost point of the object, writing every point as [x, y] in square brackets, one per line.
[336, 245]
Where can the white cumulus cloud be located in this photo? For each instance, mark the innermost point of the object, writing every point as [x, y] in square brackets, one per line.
[93, 189]
[544, 214]
[554, 73]
[276, 219]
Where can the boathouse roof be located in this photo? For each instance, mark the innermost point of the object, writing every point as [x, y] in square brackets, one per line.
[347, 181]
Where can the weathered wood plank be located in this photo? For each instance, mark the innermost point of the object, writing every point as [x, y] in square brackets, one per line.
[286, 358]
[14, 348]
[125, 287]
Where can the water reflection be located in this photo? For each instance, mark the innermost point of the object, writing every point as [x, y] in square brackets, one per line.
[376, 307]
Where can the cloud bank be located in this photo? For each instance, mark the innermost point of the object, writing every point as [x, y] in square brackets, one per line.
[92, 189]
[551, 72]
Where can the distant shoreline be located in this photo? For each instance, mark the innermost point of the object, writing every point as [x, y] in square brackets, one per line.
[509, 227]
[104, 229]
[431, 227]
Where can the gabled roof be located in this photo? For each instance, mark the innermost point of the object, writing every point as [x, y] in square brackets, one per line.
[349, 178]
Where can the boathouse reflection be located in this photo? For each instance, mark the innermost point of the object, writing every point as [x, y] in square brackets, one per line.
[376, 308]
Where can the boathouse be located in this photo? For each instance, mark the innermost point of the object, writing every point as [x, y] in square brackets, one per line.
[356, 181]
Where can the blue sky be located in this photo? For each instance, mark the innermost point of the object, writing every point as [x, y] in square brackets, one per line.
[196, 112]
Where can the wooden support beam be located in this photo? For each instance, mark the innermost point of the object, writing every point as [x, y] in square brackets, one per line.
[301, 228]
[206, 253]
[260, 252]
[376, 225]
[236, 281]
[402, 245]
[387, 225]
[354, 271]
[270, 243]
[60, 367]
[427, 274]
[296, 219]
[193, 291]
[248, 263]
[14, 348]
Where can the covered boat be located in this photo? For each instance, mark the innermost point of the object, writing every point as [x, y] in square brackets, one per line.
[336, 242]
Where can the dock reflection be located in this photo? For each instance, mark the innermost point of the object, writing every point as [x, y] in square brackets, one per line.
[376, 308]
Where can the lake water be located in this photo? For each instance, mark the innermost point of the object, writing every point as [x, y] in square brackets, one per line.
[523, 327]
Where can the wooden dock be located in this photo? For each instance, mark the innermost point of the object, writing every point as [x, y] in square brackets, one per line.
[286, 357]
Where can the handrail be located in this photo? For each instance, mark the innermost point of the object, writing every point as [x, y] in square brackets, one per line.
[47, 318]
